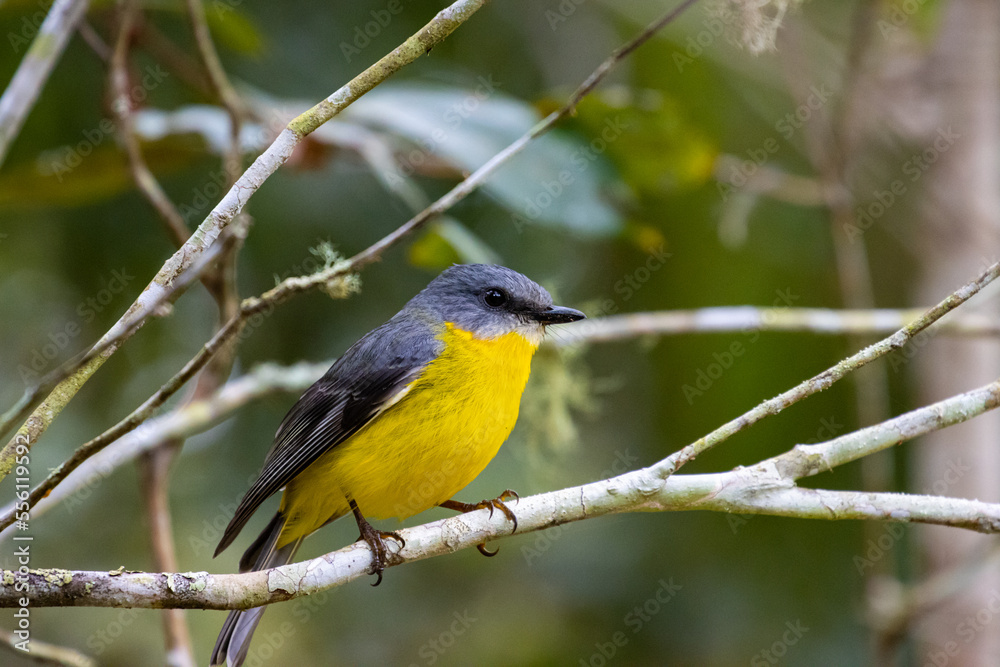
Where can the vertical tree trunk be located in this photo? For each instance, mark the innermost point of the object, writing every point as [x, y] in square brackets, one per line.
[959, 232]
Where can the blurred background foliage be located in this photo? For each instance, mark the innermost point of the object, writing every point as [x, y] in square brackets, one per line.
[642, 156]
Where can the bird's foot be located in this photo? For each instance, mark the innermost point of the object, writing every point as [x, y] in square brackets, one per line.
[376, 539]
[495, 503]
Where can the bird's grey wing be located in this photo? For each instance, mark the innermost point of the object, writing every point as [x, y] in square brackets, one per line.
[369, 377]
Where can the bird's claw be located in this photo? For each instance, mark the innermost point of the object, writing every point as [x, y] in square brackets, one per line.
[498, 503]
[380, 553]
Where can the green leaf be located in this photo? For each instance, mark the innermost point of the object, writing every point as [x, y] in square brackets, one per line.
[557, 180]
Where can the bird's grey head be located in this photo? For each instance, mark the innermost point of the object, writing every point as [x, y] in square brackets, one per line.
[490, 301]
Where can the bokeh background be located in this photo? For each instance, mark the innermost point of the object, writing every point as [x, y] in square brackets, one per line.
[739, 173]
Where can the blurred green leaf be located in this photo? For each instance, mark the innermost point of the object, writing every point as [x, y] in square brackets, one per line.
[234, 30]
[558, 180]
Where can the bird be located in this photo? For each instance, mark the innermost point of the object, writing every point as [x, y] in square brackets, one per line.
[401, 422]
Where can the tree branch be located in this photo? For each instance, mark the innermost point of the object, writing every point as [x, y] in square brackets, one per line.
[29, 79]
[65, 382]
[642, 490]
[744, 319]
[268, 379]
[164, 285]
[221, 86]
[334, 279]
[121, 105]
[81, 472]
[822, 381]
[807, 460]
[215, 224]
[45, 653]
[154, 472]
[766, 488]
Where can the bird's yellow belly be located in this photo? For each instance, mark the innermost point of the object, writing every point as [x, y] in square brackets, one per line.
[425, 448]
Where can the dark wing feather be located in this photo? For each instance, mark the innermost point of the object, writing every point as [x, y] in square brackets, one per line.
[355, 389]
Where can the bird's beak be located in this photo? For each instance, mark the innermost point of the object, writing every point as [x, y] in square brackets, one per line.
[558, 315]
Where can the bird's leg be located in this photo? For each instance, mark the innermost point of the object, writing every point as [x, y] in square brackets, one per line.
[376, 540]
[495, 503]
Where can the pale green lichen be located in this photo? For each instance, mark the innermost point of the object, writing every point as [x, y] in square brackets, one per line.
[56, 576]
[144, 579]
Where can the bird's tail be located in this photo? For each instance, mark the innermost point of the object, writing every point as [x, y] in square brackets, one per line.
[234, 639]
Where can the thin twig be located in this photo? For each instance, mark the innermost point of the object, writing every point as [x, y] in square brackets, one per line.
[94, 40]
[765, 488]
[476, 179]
[31, 75]
[749, 319]
[734, 319]
[806, 460]
[121, 106]
[189, 419]
[141, 413]
[154, 466]
[44, 653]
[822, 381]
[337, 276]
[63, 384]
[220, 85]
[154, 469]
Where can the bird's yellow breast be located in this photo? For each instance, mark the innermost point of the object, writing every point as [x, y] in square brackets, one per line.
[426, 447]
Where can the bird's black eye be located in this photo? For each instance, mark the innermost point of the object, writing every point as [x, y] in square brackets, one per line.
[495, 297]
